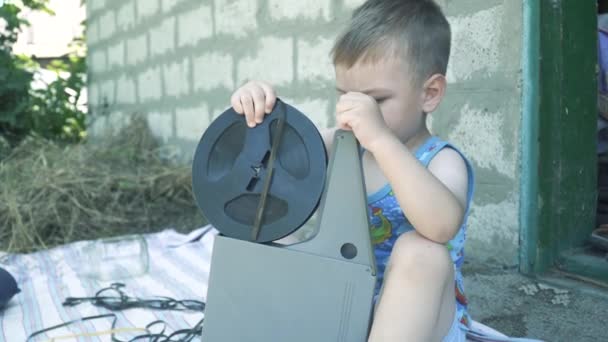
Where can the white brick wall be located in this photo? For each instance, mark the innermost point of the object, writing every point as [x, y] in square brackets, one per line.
[93, 93]
[106, 89]
[116, 54]
[273, 63]
[95, 5]
[192, 122]
[352, 4]
[107, 25]
[125, 90]
[137, 49]
[315, 109]
[235, 17]
[125, 17]
[161, 125]
[162, 37]
[213, 70]
[292, 9]
[149, 85]
[98, 125]
[169, 4]
[194, 26]
[117, 121]
[92, 31]
[147, 8]
[479, 52]
[314, 63]
[176, 78]
[98, 61]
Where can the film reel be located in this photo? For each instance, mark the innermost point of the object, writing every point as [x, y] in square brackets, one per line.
[269, 178]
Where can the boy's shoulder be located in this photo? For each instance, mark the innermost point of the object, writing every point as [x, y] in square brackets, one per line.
[450, 167]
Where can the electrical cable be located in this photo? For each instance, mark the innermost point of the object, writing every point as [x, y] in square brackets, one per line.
[113, 298]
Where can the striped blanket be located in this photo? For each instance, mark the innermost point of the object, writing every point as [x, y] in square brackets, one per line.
[179, 268]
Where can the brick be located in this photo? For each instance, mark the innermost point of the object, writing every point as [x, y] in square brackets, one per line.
[477, 52]
[235, 17]
[106, 92]
[98, 60]
[217, 112]
[169, 4]
[162, 37]
[192, 122]
[117, 121]
[95, 5]
[107, 25]
[147, 8]
[125, 18]
[273, 62]
[213, 70]
[294, 9]
[315, 109]
[125, 90]
[352, 4]
[314, 63]
[116, 54]
[161, 125]
[176, 77]
[97, 127]
[194, 26]
[92, 31]
[149, 85]
[137, 49]
[479, 133]
[92, 94]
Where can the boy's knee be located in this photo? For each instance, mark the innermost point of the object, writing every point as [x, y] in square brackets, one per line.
[415, 252]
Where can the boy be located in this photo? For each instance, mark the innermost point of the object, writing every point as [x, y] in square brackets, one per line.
[390, 65]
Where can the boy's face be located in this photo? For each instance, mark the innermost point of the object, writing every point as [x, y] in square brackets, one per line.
[388, 81]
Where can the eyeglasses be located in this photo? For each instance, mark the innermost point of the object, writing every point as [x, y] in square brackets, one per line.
[114, 299]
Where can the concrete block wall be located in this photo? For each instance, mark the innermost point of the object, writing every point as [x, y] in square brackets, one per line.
[481, 115]
[178, 61]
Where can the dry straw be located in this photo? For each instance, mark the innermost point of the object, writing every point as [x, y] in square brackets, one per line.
[52, 194]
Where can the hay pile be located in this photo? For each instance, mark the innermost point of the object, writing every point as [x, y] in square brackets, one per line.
[52, 194]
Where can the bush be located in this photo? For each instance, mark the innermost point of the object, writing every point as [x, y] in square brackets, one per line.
[54, 112]
[51, 112]
[15, 79]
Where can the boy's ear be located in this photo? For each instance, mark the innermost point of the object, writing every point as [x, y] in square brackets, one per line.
[434, 89]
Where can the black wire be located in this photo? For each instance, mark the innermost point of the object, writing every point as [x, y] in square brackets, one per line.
[118, 300]
[114, 299]
[39, 332]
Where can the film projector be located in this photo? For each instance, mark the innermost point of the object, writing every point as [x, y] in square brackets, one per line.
[259, 185]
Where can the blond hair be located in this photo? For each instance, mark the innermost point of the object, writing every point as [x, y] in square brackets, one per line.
[415, 30]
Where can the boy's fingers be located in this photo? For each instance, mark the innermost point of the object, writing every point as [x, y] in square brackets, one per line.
[344, 105]
[271, 97]
[344, 125]
[236, 103]
[257, 93]
[247, 103]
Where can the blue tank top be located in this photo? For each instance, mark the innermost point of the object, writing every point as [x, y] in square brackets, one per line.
[388, 221]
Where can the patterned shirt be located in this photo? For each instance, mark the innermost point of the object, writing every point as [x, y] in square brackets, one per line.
[388, 221]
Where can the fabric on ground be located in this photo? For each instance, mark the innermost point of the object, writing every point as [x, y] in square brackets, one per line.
[179, 269]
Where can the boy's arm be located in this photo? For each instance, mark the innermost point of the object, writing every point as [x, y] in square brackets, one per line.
[434, 199]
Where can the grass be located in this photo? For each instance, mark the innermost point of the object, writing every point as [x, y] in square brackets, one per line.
[52, 194]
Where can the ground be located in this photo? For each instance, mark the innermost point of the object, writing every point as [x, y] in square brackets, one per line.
[551, 308]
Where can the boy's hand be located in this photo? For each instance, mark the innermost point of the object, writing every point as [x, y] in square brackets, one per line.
[361, 114]
[255, 99]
